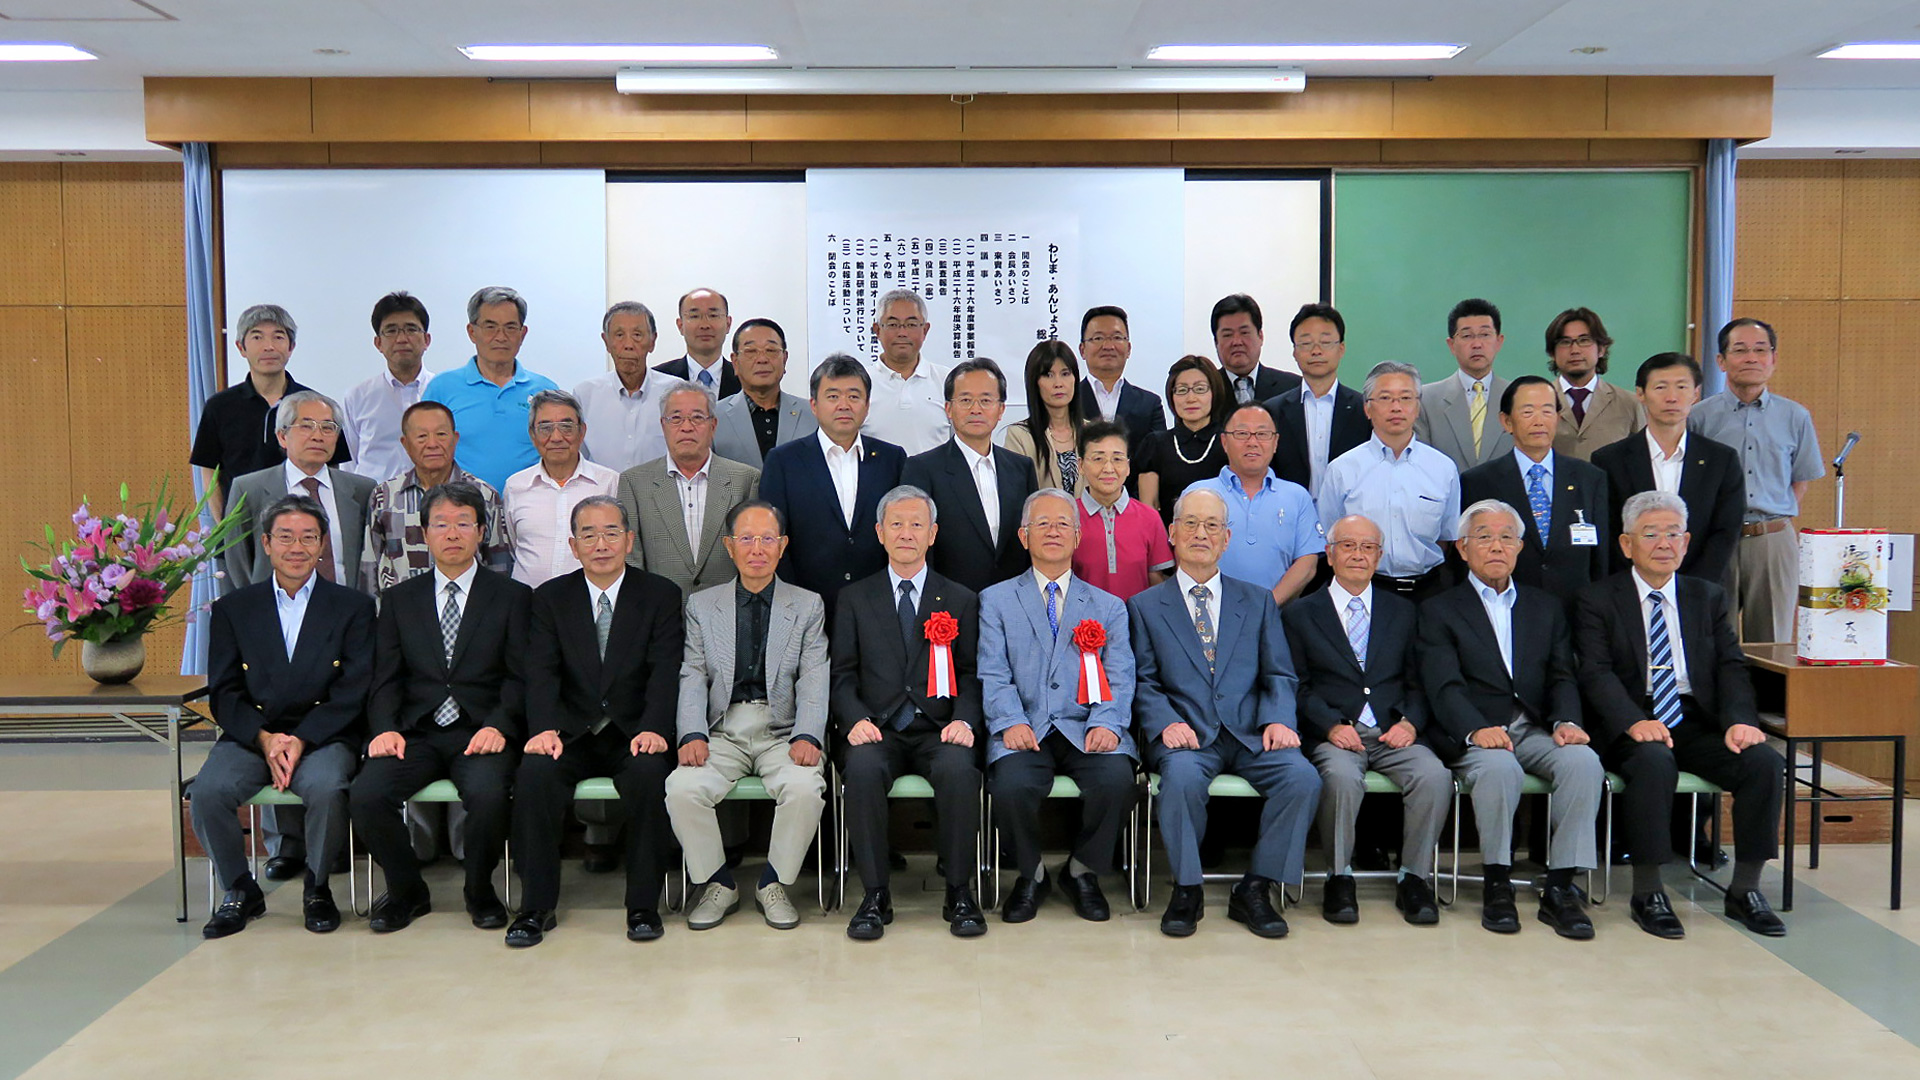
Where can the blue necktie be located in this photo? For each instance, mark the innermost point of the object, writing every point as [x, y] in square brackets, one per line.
[1666, 691]
[706, 378]
[1203, 621]
[1358, 625]
[1542, 505]
[1053, 608]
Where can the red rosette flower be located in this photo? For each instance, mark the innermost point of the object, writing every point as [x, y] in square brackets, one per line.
[942, 628]
[140, 594]
[1089, 635]
[1857, 600]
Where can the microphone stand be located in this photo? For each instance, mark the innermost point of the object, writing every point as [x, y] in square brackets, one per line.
[1840, 480]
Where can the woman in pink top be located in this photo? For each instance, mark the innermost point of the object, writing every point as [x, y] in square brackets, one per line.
[1123, 544]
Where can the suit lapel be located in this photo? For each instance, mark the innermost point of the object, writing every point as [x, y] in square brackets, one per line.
[469, 615]
[822, 480]
[958, 474]
[779, 626]
[1457, 410]
[312, 627]
[1626, 600]
[1233, 618]
[1006, 468]
[1036, 608]
[868, 489]
[1173, 609]
[1293, 420]
[666, 499]
[1481, 624]
[720, 499]
[1336, 629]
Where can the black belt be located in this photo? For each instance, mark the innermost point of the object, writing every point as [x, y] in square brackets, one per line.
[1407, 584]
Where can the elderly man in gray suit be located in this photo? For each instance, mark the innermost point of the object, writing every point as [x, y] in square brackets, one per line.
[753, 702]
[679, 503]
[1056, 683]
[1460, 414]
[760, 417]
[1214, 691]
[308, 427]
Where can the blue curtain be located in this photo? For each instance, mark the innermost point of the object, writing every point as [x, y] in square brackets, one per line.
[203, 354]
[1716, 263]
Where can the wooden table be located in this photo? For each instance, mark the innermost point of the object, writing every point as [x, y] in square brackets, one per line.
[154, 705]
[1821, 705]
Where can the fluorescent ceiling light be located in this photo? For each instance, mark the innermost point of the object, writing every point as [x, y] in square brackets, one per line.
[1874, 50]
[42, 51]
[622, 54]
[1297, 54]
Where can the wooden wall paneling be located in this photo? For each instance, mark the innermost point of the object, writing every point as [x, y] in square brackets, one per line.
[1483, 151]
[1647, 151]
[1876, 338]
[647, 154]
[425, 110]
[454, 155]
[1788, 230]
[1880, 208]
[1325, 107]
[1129, 117]
[1739, 107]
[835, 118]
[882, 152]
[34, 268]
[595, 110]
[1053, 152]
[1549, 107]
[124, 233]
[240, 155]
[228, 109]
[1809, 360]
[34, 463]
[1257, 152]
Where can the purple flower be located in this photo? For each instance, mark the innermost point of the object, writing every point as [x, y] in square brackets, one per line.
[81, 515]
[113, 575]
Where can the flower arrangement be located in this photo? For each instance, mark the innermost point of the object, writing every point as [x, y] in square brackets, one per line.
[1857, 591]
[113, 580]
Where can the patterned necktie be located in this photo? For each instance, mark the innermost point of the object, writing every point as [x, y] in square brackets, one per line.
[1358, 625]
[1542, 505]
[706, 378]
[1203, 621]
[449, 710]
[1242, 389]
[1578, 396]
[602, 626]
[312, 485]
[1666, 691]
[1053, 608]
[1476, 413]
[909, 616]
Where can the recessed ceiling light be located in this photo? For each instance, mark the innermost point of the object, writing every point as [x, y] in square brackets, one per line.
[329, 52]
[1849, 151]
[42, 51]
[1589, 50]
[622, 54]
[69, 153]
[1874, 50]
[1294, 54]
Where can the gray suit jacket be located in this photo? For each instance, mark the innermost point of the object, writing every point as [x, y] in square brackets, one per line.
[733, 436]
[1612, 415]
[653, 504]
[246, 562]
[1029, 676]
[797, 672]
[1443, 421]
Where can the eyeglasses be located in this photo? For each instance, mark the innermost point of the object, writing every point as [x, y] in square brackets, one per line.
[315, 427]
[1050, 524]
[1396, 399]
[442, 528]
[1105, 339]
[1475, 335]
[402, 331]
[1504, 539]
[1656, 537]
[1192, 391]
[305, 539]
[755, 541]
[556, 427]
[1584, 341]
[1252, 436]
[1741, 352]
[1348, 547]
[1317, 343]
[1200, 525]
[967, 402]
[685, 419]
[494, 329]
[760, 350]
[896, 325]
[594, 536]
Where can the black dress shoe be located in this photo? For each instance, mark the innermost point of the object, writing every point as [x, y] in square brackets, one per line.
[875, 912]
[962, 912]
[1024, 903]
[1184, 911]
[317, 909]
[1560, 908]
[1084, 891]
[1414, 897]
[283, 868]
[1654, 914]
[643, 924]
[1752, 911]
[1250, 903]
[242, 904]
[601, 859]
[486, 910]
[396, 912]
[1498, 912]
[530, 928]
[1339, 903]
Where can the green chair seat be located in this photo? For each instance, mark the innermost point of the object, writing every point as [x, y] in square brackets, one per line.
[1064, 788]
[911, 787]
[749, 787]
[267, 796]
[1688, 784]
[438, 791]
[596, 787]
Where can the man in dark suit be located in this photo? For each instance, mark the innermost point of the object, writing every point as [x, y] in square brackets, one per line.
[1496, 659]
[1361, 708]
[827, 485]
[448, 702]
[1563, 500]
[903, 705]
[982, 485]
[1239, 335]
[1668, 688]
[1666, 457]
[1214, 693]
[1105, 394]
[289, 665]
[703, 322]
[603, 678]
[1321, 418]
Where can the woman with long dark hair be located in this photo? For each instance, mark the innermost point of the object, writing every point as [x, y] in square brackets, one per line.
[1190, 450]
[1050, 434]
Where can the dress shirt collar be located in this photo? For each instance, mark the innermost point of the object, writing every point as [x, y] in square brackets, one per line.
[300, 595]
[465, 581]
[831, 448]
[1308, 397]
[1041, 581]
[295, 478]
[1467, 381]
[698, 474]
[974, 460]
[1341, 598]
[1592, 387]
[1526, 464]
[1188, 581]
[1668, 594]
[471, 374]
[745, 597]
[1757, 403]
[694, 368]
[1386, 452]
[1488, 596]
[919, 580]
[1657, 454]
[1093, 508]
[394, 381]
[611, 592]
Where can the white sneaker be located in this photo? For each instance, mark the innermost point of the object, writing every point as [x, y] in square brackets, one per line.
[774, 904]
[716, 903]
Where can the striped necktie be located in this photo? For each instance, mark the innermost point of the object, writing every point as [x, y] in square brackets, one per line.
[1666, 691]
[1358, 626]
[1476, 413]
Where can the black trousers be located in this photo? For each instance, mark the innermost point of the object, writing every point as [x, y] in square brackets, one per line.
[1754, 777]
[386, 783]
[543, 790]
[868, 771]
[1021, 780]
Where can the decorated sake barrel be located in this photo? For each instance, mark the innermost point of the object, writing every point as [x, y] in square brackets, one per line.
[1843, 596]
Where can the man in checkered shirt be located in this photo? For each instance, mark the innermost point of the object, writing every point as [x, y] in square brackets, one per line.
[396, 548]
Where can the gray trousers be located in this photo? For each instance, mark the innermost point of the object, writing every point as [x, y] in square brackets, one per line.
[233, 774]
[1763, 581]
[1496, 775]
[745, 745]
[1427, 792]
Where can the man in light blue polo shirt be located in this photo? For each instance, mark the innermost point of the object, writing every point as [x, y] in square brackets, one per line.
[489, 394]
[1277, 537]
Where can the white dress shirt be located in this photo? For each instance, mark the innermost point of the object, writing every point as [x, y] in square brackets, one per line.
[693, 498]
[293, 610]
[295, 486]
[1107, 400]
[623, 429]
[844, 467]
[1341, 598]
[1187, 582]
[919, 585]
[540, 513]
[714, 371]
[1042, 581]
[909, 411]
[372, 423]
[986, 482]
[1667, 469]
[611, 592]
[1318, 410]
[1499, 607]
[1670, 602]
[465, 581]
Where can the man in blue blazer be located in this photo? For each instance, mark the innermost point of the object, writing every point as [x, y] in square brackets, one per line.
[1039, 723]
[828, 487]
[1215, 693]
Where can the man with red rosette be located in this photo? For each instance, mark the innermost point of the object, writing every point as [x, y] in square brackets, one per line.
[906, 701]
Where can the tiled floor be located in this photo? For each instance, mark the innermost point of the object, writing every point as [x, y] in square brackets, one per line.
[96, 980]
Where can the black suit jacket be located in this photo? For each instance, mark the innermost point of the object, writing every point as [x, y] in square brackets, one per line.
[1138, 411]
[1333, 686]
[411, 676]
[965, 551]
[824, 553]
[319, 694]
[1557, 566]
[874, 672]
[1267, 382]
[1711, 484]
[1612, 640]
[1292, 459]
[569, 687]
[1467, 684]
[681, 368]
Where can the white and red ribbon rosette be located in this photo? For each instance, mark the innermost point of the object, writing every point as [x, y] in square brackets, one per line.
[942, 630]
[1090, 637]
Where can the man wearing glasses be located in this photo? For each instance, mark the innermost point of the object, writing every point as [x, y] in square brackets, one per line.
[1277, 535]
[308, 429]
[1321, 418]
[983, 486]
[540, 498]
[703, 320]
[1105, 393]
[907, 405]
[1457, 412]
[489, 394]
[1593, 412]
[679, 503]
[371, 411]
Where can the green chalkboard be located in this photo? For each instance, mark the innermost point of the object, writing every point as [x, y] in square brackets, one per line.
[1407, 246]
